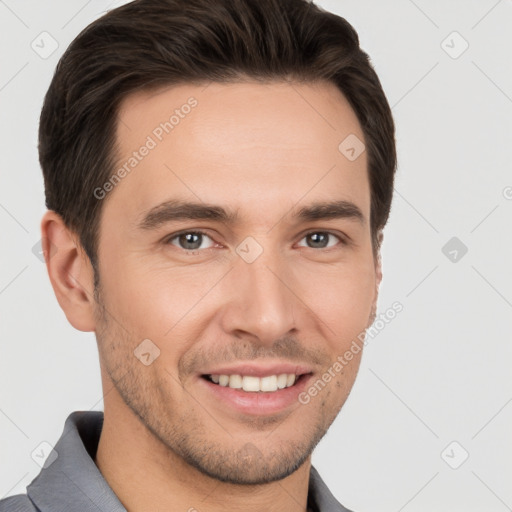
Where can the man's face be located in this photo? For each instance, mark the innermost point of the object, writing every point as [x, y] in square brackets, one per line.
[278, 286]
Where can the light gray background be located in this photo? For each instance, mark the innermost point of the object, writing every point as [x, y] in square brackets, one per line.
[438, 373]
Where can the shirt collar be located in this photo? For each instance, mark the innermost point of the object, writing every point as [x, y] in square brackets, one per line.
[71, 481]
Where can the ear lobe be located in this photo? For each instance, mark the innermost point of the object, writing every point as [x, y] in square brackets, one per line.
[70, 271]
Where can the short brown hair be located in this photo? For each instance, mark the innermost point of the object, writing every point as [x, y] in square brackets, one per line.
[151, 43]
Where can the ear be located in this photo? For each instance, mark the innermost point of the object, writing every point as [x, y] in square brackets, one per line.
[70, 271]
[378, 278]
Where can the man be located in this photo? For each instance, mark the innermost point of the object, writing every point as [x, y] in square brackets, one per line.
[218, 174]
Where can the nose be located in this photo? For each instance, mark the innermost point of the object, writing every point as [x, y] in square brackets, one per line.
[261, 301]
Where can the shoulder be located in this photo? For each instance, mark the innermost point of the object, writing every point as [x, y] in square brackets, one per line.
[18, 503]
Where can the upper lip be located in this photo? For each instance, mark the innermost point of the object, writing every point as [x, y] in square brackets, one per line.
[259, 370]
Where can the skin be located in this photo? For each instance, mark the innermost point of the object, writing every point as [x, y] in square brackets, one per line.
[264, 151]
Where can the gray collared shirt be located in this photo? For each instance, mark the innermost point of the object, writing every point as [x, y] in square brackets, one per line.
[72, 482]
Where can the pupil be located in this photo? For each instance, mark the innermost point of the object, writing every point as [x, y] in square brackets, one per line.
[318, 239]
[190, 240]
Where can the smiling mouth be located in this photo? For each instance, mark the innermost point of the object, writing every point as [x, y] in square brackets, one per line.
[252, 384]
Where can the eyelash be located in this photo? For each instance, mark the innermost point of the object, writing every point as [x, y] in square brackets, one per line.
[168, 240]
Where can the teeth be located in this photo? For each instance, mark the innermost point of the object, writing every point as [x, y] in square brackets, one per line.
[282, 380]
[249, 383]
[253, 384]
[269, 383]
[235, 381]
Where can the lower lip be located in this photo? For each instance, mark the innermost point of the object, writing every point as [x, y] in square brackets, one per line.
[260, 402]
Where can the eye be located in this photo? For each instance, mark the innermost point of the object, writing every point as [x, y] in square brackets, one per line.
[321, 240]
[191, 240]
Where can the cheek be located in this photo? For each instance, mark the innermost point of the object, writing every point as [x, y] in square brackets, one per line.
[160, 302]
[137, 291]
[342, 298]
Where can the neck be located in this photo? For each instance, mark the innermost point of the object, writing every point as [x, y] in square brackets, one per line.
[147, 476]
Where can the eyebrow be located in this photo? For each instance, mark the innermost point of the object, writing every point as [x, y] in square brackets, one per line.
[174, 209]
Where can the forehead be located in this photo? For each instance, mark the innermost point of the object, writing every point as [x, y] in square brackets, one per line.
[254, 147]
